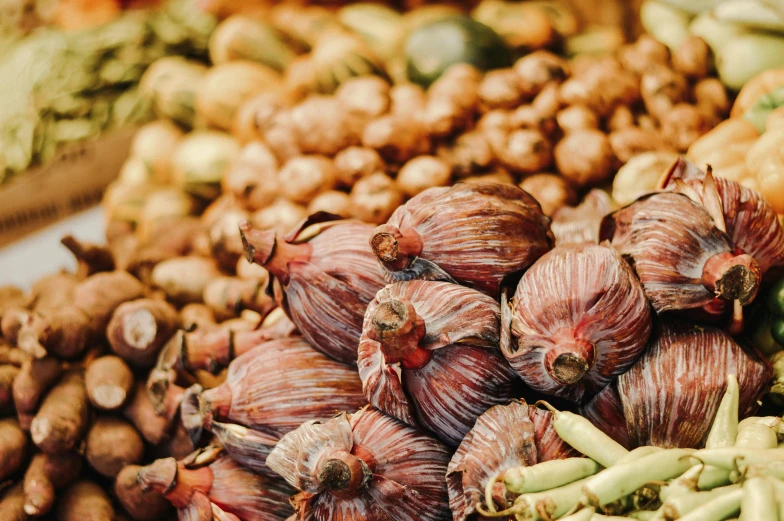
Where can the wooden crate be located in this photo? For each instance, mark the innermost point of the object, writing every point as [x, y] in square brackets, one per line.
[73, 181]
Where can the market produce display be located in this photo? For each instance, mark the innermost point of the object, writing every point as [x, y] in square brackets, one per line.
[344, 283]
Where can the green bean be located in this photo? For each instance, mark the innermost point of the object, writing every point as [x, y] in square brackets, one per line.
[541, 505]
[584, 514]
[586, 438]
[722, 507]
[725, 423]
[548, 474]
[679, 506]
[685, 483]
[758, 502]
[757, 436]
[728, 458]
[616, 482]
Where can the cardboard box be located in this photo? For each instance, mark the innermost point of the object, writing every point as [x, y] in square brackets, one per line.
[73, 181]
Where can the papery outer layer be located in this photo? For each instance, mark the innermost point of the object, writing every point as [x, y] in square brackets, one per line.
[668, 239]
[671, 394]
[581, 223]
[408, 469]
[605, 411]
[249, 496]
[502, 438]
[751, 223]
[326, 296]
[477, 234]
[280, 384]
[248, 447]
[466, 374]
[583, 292]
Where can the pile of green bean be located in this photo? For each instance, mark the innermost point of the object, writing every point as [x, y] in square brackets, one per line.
[740, 472]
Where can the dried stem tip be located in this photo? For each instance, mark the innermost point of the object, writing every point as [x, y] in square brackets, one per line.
[396, 248]
[398, 328]
[263, 248]
[343, 472]
[570, 360]
[732, 277]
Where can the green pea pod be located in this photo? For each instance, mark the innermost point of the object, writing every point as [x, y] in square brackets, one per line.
[720, 508]
[759, 500]
[621, 480]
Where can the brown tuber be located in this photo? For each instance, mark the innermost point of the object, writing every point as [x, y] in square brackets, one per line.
[109, 382]
[354, 163]
[138, 329]
[62, 418]
[13, 447]
[45, 474]
[229, 296]
[85, 501]
[332, 201]
[183, 279]
[153, 426]
[304, 177]
[140, 505]
[501, 89]
[692, 58]
[282, 215]
[30, 385]
[585, 158]
[683, 124]
[538, 69]
[111, 444]
[526, 151]
[8, 374]
[12, 504]
[375, 197]
[576, 117]
[550, 190]
[421, 173]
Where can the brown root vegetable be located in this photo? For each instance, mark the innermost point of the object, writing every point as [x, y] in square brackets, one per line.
[470, 153]
[407, 98]
[421, 173]
[183, 279]
[526, 151]
[85, 501]
[109, 382]
[332, 201]
[661, 89]
[252, 178]
[12, 355]
[621, 118]
[354, 163]
[140, 505]
[602, 86]
[501, 177]
[375, 197]
[194, 316]
[229, 296]
[282, 215]
[8, 374]
[550, 190]
[45, 474]
[501, 89]
[61, 420]
[30, 385]
[683, 124]
[585, 158]
[11, 297]
[138, 329]
[548, 102]
[224, 240]
[364, 97]
[642, 54]
[538, 69]
[91, 258]
[53, 291]
[711, 95]
[13, 447]
[322, 125]
[12, 504]
[629, 142]
[111, 444]
[144, 415]
[304, 177]
[396, 137]
[67, 330]
[178, 445]
[576, 117]
[692, 58]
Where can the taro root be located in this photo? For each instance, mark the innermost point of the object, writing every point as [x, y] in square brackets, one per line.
[139, 329]
[504, 437]
[429, 356]
[277, 386]
[31, 385]
[363, 466]
[748, 219]
[45, 474]
[63, 417]
[209, 477]
[324, 276]
[13, 447]
[579, 318]
[473, 234]
[581, 223]
[672, 393]
[682, 259]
